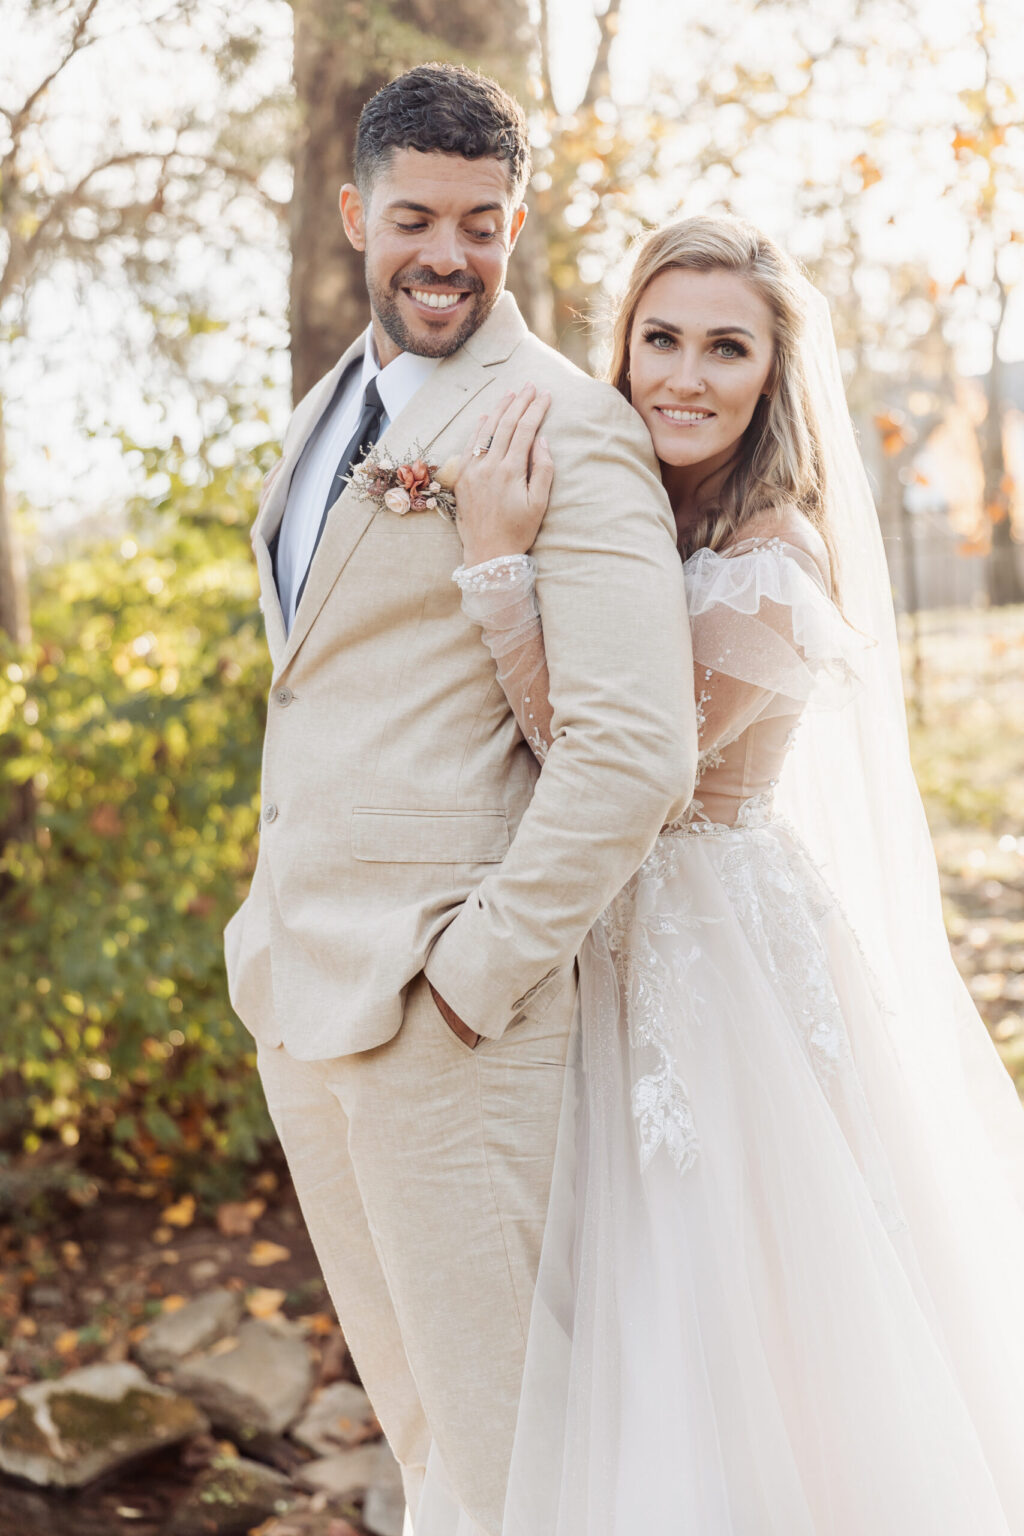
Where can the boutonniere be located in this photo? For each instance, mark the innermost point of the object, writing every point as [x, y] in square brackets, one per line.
[401, 487]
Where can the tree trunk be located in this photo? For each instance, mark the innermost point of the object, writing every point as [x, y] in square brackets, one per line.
[345, 50]
[1004, 575]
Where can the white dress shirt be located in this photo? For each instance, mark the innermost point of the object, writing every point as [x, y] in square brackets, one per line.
[315, 471]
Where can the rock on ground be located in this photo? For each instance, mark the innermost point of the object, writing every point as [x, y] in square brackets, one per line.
[339, 1416]
[345, 1474]
[230, 1497]
[260, 1385]
[65, 1433]
[384, 1505]
[310, 1523]
[192, 1328]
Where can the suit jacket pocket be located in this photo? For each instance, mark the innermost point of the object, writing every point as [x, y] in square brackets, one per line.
[429, 837]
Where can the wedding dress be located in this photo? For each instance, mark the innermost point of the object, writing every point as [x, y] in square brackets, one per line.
[782, 1284]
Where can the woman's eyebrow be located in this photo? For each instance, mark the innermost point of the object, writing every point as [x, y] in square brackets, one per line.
[719, 330]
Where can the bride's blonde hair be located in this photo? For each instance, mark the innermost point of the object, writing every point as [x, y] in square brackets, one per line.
[778, 461]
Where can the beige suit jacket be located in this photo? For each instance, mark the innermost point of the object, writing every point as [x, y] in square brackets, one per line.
[404, 825]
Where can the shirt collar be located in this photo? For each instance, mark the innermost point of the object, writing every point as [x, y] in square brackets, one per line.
[399, 380]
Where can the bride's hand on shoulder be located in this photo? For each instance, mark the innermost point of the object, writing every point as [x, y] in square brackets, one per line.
[504, 479]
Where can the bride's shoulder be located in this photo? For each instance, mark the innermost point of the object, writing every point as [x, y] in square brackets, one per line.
[789, 533]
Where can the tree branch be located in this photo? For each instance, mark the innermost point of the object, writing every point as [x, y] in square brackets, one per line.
[544, 34]
[77, 43]
[600, 75]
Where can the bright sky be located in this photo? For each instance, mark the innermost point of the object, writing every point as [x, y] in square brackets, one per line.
[71, 381]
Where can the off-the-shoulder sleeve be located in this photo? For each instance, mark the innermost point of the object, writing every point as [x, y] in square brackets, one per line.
[767, 638]
[499, 595]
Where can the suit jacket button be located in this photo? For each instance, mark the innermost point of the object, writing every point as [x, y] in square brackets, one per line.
[283, 696]
[270, 813]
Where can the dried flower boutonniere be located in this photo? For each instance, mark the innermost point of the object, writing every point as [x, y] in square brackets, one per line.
[414, 486]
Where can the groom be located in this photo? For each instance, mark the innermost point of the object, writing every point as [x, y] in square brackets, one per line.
[405, 955]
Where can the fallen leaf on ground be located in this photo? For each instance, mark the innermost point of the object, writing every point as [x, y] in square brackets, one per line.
[318, 1323]
[162, 1235]
[182, 1213]
[67, 1342]
[172, 1303]
[263, 1253]
[264, 1302]
[7, 1405]
[235, 1218]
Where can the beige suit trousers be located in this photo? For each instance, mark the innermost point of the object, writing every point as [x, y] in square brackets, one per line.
[423, 1170]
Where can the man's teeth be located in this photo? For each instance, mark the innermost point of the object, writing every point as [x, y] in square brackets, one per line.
[435, 300]
[685, 415]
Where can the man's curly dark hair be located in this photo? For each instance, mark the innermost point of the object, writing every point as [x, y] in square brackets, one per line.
[445, 108]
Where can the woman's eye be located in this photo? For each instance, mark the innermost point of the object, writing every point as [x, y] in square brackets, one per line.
[661, 341]
[729, 349]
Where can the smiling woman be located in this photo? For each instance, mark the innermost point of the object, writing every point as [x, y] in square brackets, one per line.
[697, 376]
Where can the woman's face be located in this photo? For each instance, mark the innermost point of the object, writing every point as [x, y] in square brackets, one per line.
[700, 353]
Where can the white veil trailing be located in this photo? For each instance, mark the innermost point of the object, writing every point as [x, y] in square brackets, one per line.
[848, 790]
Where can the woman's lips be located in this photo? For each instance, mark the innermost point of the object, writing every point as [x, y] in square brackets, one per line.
[676, 416]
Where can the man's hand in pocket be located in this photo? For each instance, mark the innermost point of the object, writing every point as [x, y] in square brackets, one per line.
[466, 1035]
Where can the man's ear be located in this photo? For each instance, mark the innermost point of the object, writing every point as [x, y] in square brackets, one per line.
[518, 220]
[353, 215]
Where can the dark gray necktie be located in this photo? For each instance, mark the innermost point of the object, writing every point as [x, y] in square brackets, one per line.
[362, 440]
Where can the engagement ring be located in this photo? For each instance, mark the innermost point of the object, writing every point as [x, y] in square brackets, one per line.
[481, 448]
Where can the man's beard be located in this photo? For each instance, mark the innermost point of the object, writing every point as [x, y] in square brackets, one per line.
[385, 306]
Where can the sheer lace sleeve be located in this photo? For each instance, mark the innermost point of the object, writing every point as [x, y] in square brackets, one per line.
[499, 596]
[767, 638]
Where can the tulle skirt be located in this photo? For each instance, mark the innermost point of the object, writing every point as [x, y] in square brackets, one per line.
[782, 1285]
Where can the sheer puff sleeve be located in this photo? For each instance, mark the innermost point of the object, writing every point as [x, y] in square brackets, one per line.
[767, 638]
[499, 595]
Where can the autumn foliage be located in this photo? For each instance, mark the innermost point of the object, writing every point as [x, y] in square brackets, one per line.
[137, 714]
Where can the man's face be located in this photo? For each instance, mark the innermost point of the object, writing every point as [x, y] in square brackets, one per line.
[437, 232]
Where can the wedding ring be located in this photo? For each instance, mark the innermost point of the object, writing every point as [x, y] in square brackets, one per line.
[481, 448]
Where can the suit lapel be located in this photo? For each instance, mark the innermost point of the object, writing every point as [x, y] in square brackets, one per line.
[454, 384]
[268, 519]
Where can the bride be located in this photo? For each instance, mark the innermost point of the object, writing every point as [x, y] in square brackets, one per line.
[783, 1273]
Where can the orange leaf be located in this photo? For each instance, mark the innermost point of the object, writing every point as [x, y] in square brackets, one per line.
[7, 1405]
[318, 1323]
[182, 1213]
[263, 1302]
[235, 1218]
[172, 1303]
[67, 1342]
[263, 1253]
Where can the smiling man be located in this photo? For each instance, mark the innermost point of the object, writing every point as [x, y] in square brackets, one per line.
[405, 958]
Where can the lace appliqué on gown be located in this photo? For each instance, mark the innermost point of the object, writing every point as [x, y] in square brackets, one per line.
[649, 988]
